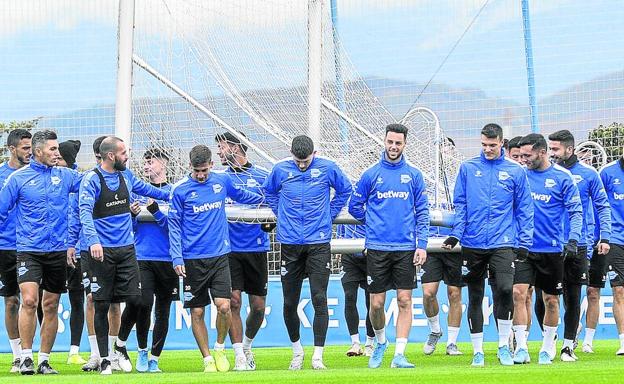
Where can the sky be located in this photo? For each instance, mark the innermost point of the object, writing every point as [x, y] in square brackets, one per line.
[60, 56]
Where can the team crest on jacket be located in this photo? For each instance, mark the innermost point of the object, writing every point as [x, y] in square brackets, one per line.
[315, 172]
[478, 174]
[405, 179]
[616, 181]
[549, 183]
[379, 180]
[193, 195]
[55, 180]
[577, 178]
[502, 175]
[217, 188]
[252, 183]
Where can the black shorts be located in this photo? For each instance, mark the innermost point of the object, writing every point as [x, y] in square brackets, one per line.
[299, 261]
[84, 269]
[353, 270]
[158, 278]
[206, 278]
[575, 269]
[249, 272]
[598, 266]
[8, 273]
[615, 272]
[389, 270]
[545, 269]
[48, 269]
[477, 264]
[442, 266]
[74, 276]
[117, 277]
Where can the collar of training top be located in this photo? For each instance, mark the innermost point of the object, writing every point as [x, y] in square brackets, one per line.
[567, 164]
[621, 161]
[241, 169]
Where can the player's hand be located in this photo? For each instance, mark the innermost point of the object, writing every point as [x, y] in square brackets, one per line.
[603, 247]
[135, 208]
[570, 249]
[97, 252]
[420, 256]
[152, 206]
[268, 227]
[522, 254]
[71, 257]
[450, 242]
[180, 270]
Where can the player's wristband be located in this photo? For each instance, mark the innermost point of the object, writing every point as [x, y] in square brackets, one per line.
[153, 208]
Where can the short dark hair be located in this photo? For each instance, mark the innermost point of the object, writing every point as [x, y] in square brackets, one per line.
[97, 143]
[302, 147]
[564, 136]
[40, 137]
[231, 138]
[515, 142]
[535, 140]
[200, 154]
[155, 153]
[109, 144]
[506, 144]
[16, 135]
[492, 131]
[397, 128]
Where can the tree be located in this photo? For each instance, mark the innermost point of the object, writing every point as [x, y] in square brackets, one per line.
[611, 137]
[5, 128]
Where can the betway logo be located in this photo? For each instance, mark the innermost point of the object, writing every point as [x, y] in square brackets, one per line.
[392, 195]
[540, 197]
[618, 196]
[206, 207]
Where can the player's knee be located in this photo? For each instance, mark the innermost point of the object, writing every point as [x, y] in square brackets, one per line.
[593, 295]
[319, 300]
[430, 294]
[551, 302]
[454, 295]
[11, 304]
[519, 295]
[257, 307]
[350, 297]
[618, 295]
[404, 302]
[235, 303]
[115, 309]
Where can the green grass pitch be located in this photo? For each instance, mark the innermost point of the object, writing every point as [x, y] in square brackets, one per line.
[186, 367]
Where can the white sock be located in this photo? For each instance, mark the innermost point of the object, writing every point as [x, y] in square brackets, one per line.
[120, 343]
[16, 348]
[504, 330]
[477, 342]
[370, 340]
[238, 349]
[207, 359]
[219, 346]
[380, 334]
[434, 323]
[26, 353]
[568, 343]
[318, 353]
[142, 349]
[453, 332]
[521, 336]
[621, 340]
[549, 338]
[247, 343]
[589, 336]
[355, 339]
[401, 343]
[155, 358]
[95, 352]
[42, 357]
[74, 349]
[297, 347]
[111, 342]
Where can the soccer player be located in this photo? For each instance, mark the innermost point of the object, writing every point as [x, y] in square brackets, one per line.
[159, 282]
[554, 194]
[199, 247]
[69, 150]
[612, 176]
[354, 276]
[494, 214]
[514, 149]
[39, 193]
[592, 193]
[19, 145]
[391, 201]
[104, 204]
[298, 191]
[248, 259]
[439, 267]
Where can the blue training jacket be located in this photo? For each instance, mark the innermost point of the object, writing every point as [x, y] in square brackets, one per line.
[40, 196]
[612, 176]
[554, 194]
[248, 237]
[390, 199]
[152, 237]
[301, 200]
[493, 207]
[198, 227]
[7, 235]
[594, 201]
[111, 231]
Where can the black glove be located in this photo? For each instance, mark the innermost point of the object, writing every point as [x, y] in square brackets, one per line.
[268, 227]
[570, 249]
[451, 241]
[153, 208]
[522, 254]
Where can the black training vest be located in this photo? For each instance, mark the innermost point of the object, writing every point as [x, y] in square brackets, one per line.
[111, 203]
